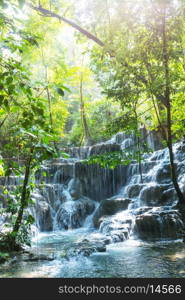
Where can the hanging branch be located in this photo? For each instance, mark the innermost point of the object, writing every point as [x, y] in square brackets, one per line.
[47, 13]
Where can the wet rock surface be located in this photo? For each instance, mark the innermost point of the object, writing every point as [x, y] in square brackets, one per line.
[159, 223]
[157, 194]
[118, 227]
[75, 189]
[100, 183]
[72, 214]
[44, 219]
[37, 257]
[110, 207]
[87, 151]
[87, 247]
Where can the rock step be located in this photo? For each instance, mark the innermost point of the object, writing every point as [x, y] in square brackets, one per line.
[109, 207]
[135, 190]
[159, 223]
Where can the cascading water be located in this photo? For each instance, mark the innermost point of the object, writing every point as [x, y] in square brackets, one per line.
[87, 209]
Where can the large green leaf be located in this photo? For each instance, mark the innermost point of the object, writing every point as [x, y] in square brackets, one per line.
[60, 92]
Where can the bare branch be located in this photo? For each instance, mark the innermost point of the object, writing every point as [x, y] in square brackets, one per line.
[48, 13]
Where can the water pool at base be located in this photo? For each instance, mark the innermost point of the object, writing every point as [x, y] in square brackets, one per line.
[130, 259]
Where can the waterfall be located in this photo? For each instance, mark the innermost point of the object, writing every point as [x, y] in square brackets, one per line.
[89, 220]
[71, 194]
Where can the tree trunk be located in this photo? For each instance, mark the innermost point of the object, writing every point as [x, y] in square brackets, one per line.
[86, 132]
[24, 203]
[171, 155]
[49, 100]
[139, 159]
[138, 146]
[168, 108]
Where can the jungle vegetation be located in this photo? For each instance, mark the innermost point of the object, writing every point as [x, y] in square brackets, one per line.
[73, 73]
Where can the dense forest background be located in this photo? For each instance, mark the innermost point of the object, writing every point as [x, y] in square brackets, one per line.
[73, 73]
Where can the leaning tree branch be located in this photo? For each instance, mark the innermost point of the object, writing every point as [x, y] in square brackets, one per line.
[47, 13]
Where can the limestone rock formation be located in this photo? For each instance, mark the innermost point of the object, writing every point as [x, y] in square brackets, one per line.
[110, 207]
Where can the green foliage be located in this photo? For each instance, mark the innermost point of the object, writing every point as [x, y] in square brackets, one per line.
[131, 69]
[43, 77]
[37, 142]
[111, 160]
[4, 257]
[7, 243]
[60, 92]
[99, 113]
[26, 133]
[1, 168]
